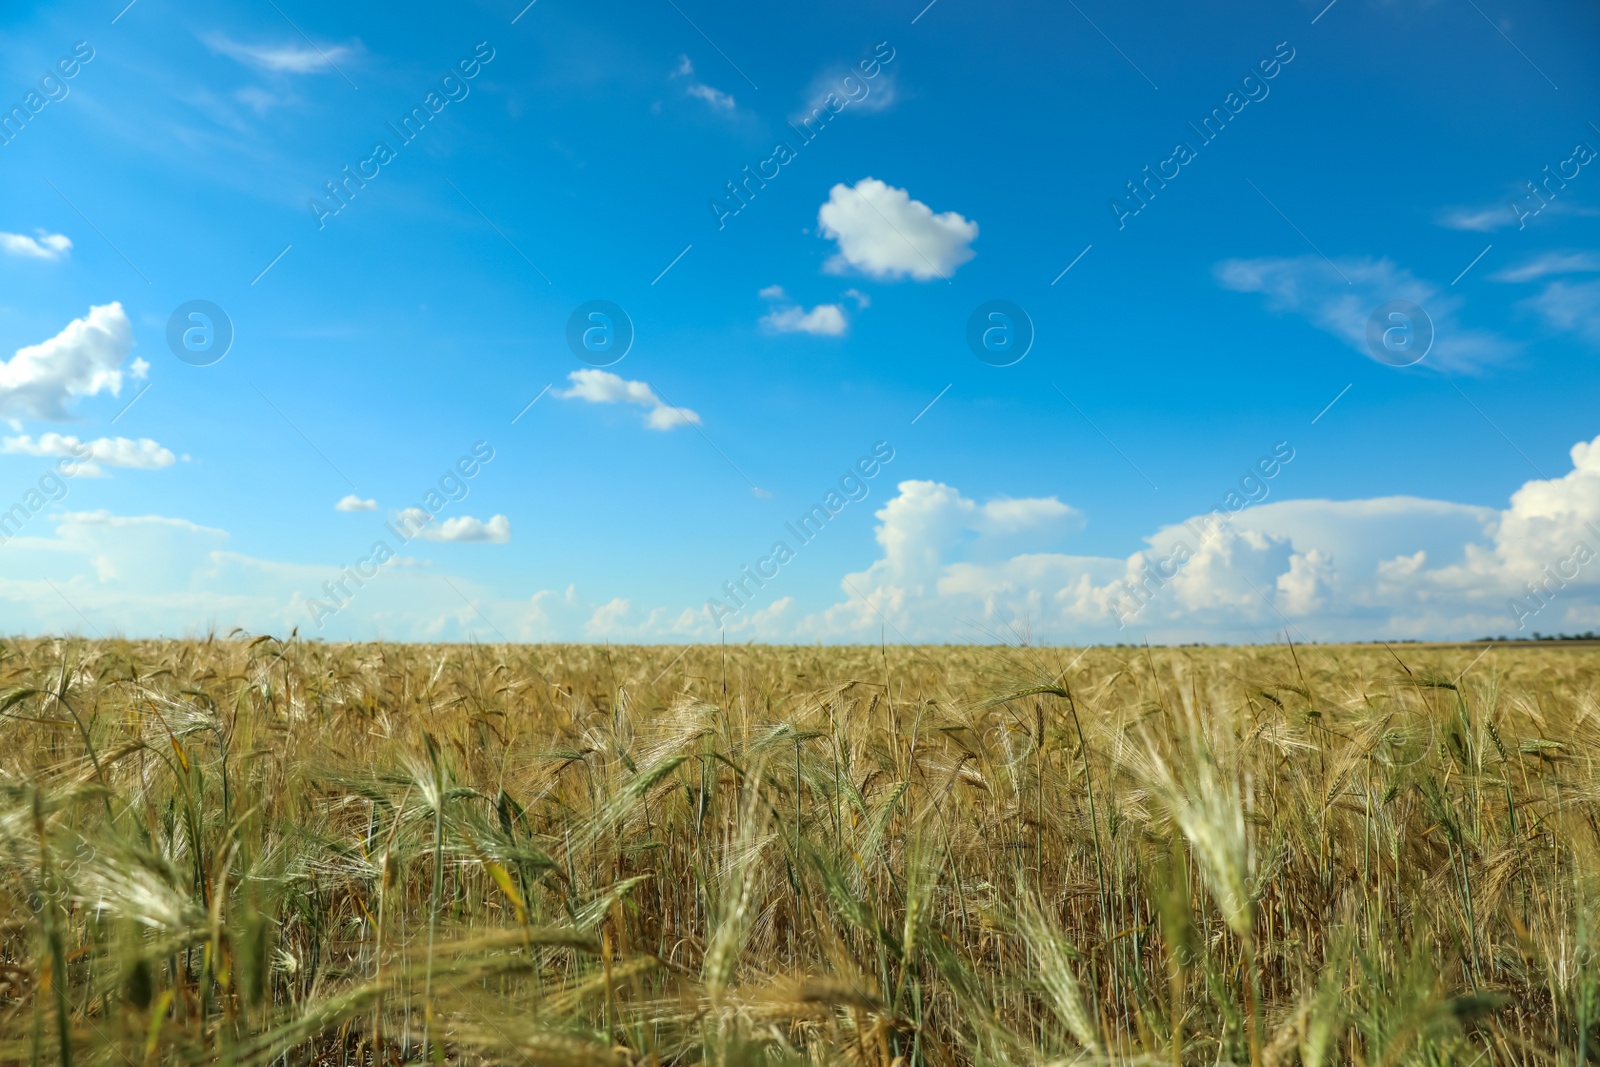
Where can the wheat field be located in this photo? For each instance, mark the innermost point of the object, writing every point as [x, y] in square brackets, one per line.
[250, 852]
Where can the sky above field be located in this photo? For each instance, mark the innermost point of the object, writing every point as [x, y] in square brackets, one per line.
[675, 319]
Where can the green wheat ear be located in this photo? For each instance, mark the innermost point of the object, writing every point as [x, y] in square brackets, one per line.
[1053, 960]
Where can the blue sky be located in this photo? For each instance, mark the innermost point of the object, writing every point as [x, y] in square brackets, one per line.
[1369, 152]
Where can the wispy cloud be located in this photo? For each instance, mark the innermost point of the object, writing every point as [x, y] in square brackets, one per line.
[843, 83]
[719, 100]
[351, 502]
[258, 99]
[1547, 264]
[716, 98]
[1571, 306]
[1339, 300]
[1478, 219]
[1505, 214]
[287, 58]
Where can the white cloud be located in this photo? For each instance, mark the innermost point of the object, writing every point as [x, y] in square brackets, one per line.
[351, 502]
[1574, 307]
[603, 387]
[884, 233]
[947, 567]
[945, 554]
[1306, 583]
[84, 359]
[928, 519]
[719, 100]
[716, 98]
[824, 320]
[289, 58]
[258, 99]
[776, 619]
[143, 454]
[1478, 219]
[1330, 570]
[1339, 300]
[607, 616]
[862, 299]
[48, 246]
[666, 418]
[849, 89]
[1549, 263]
[153, 575]
[148, 554]
[462, 529]
[101, 517]
[1492, 217]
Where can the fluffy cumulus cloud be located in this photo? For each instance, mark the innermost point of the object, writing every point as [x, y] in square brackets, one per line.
[1402, 567]
[882, 232]
[953, 568]
[143, 454]
[352, 502]
[607, 617]
[945, 567]
[286, 58]
[928, 517]
[603, 387]
[458, 528]
[1339, 297]
[824, 320]
[48, 246]
[943, 552]
[552, 614]
[41, 381]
